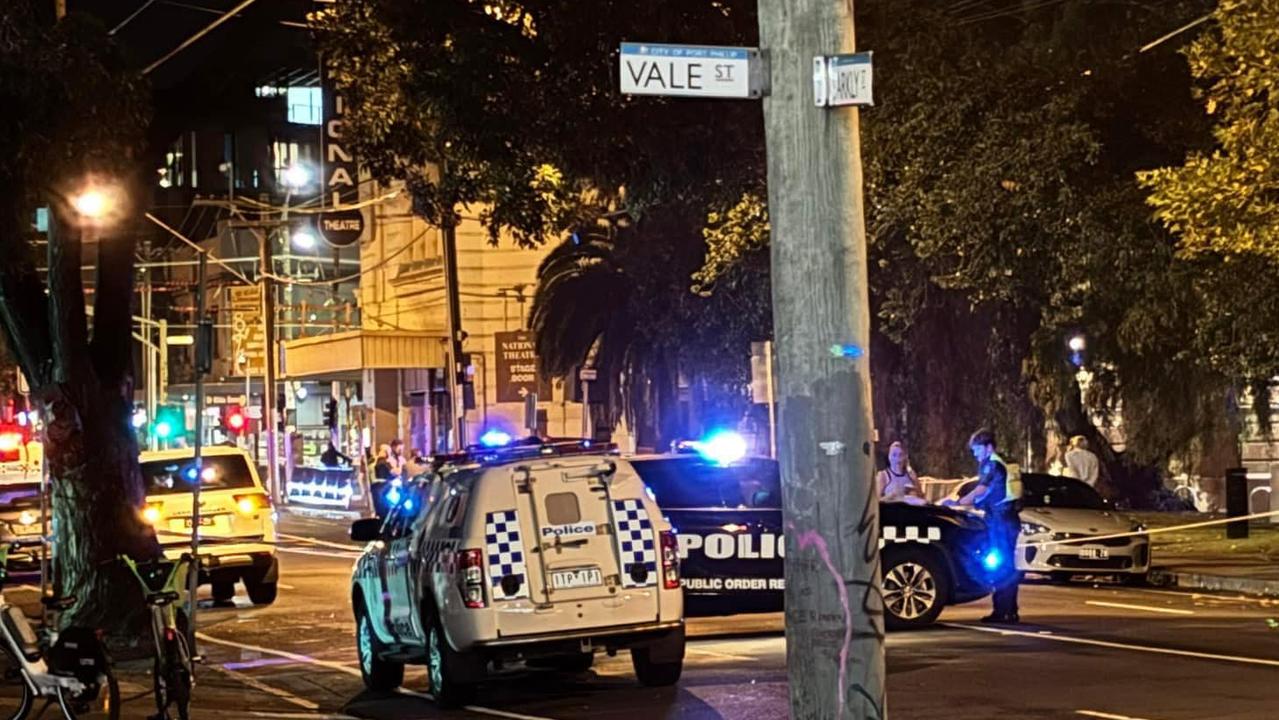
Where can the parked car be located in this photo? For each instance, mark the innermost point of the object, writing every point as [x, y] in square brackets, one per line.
[237, 521]
[729, 522]
[20, 523]
[542, 560]
[1057, 508]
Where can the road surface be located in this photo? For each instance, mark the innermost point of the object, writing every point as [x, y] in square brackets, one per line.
[1083, 652]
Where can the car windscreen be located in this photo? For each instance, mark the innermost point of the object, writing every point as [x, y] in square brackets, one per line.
[694, 483]
[221, 472]
[19, 495]
[1051, 491]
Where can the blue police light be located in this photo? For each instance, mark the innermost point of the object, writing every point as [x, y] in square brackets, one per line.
[408, 504]
[723, 447]
[495, 438]
[190, 473]
[992, 560]
[393, 496]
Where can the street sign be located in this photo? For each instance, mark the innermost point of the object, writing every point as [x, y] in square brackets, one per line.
[588, 374]
[341, 228]
[840, 80]
[248, 337]
[690, 71]
[517, 375]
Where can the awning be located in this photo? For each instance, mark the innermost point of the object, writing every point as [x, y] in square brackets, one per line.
[362, 350]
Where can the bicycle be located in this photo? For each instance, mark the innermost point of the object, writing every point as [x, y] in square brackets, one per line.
[70, 668]
[164, 585]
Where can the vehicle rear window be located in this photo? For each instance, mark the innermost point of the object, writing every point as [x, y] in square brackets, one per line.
[221, 472]
[22, 495]
[693, 483]
[1059, 492]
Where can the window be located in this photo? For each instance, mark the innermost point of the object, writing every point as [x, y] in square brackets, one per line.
[1059, 492]
[221, 472]
[562, 509]
[305, 105]
[693, 483]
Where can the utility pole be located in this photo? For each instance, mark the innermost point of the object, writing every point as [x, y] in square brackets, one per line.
[834, 605]
[268, 380]
[454, 350]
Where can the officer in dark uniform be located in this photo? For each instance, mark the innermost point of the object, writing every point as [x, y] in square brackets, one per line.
[998, 494]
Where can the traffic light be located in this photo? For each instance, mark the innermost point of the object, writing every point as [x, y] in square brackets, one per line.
[170, 422]
[233, 419]
[331, 414]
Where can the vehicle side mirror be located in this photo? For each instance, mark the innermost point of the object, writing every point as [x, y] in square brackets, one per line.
[366, 529]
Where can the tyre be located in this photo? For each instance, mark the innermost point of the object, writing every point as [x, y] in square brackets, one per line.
[15, 694]
[223, 591]
[261, 592]
[916, 585]
[179, 674]
[655, 674]
[1061, 577]
[99, 702]
[1135, 579]
[381, 675]
[452, 674]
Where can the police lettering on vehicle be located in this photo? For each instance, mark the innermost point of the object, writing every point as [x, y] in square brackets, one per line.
[570, 530]
[724, 546]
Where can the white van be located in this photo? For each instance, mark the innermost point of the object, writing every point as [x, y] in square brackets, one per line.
[542, 561]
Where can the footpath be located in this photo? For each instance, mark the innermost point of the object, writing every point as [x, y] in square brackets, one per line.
[1205, 559]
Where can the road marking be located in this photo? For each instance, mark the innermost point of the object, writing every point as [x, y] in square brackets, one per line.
[317, 541]
[282, 586]
[1106, 716]
[1145, 608]
[1120, 646]
[356, 673]
[256, 684]
[1215, 597]
[300, 716]
[714, 653]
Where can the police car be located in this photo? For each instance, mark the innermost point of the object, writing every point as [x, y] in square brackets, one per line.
[542, 559]
[728, 516]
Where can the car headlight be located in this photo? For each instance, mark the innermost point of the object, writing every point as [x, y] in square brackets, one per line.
[1138, 528]
[1033, 528]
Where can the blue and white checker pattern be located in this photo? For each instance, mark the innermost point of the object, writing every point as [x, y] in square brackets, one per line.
[505, 551]
[909, 533]
[636, 543]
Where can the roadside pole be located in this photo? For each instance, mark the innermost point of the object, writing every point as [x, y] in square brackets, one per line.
[268, 380]
[821, 319]
[203, 364]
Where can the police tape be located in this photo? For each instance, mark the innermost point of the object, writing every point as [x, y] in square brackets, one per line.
[1153, 531]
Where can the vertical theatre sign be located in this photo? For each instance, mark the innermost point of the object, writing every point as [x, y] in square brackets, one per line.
[340, 175]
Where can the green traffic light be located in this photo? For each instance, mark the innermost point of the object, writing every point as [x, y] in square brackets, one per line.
[163, 429]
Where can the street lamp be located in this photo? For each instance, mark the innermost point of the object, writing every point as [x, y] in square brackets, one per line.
[1077, 343]
[97, 203]
[296, 176]
[303, 240]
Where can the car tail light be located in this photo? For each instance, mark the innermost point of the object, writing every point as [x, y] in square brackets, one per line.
[10, 442]
[470, 570]
[250, 504]
[670, 560]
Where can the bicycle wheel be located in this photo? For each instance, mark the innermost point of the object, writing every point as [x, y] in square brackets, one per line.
[180, 679]
[99, 701]
[15, 695]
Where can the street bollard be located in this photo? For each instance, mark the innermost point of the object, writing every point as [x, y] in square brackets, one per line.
[1237, 502]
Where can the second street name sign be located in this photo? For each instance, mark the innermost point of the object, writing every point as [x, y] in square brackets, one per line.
[689, 70]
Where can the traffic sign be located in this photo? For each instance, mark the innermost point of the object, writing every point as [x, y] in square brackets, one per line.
[341, 228]
[690, 71]
[248, 336]
[840, 80]
[588, 374]
[516, 366]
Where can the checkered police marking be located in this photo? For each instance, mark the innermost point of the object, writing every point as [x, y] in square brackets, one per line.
[635, 542]
[505, 553]
[909, 533]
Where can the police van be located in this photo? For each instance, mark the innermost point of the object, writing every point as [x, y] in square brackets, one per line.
[541, 560]
[729, 522]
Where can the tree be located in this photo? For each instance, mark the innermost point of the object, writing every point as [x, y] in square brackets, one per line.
[74, 111]
[1224, 201]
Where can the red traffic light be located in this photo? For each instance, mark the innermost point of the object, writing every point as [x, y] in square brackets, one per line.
[234, 420]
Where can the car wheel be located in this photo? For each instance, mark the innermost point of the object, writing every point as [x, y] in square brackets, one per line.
[261, 592]
[379, 674]
[223, 591]
[1061, 577]
[916, 585]
[451, 673]
[662, 662]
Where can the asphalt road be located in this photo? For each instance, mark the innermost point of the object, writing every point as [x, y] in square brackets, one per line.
[1083, 652]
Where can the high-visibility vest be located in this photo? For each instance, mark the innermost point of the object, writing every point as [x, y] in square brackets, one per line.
[1012, 481]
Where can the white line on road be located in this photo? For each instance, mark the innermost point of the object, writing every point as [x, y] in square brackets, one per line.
[282, 586]
[1119, 646]
[1106, 716]
[317, 541]
[300, 716]
[352, 671]
[269, 690]
[1145, 608]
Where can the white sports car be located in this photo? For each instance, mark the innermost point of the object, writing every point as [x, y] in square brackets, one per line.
[1055, 509]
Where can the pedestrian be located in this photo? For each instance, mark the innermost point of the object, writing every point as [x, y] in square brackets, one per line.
[898, 482]
[1081, 462]
[998, 494]
[332, 457]
[395, 457]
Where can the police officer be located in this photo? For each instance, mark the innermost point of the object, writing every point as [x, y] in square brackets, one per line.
[998, 493]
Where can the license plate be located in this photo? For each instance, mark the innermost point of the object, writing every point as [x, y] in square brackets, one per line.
[576, 578]
[205, 521]
[1093, 553]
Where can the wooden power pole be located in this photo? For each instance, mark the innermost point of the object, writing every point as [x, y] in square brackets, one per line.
[834, 607]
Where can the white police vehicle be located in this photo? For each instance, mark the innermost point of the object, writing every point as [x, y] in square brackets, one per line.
[727, 512]
[542, 559]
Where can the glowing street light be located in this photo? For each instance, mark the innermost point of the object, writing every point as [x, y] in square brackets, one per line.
[1077, 343]
[296, 176]
[97, 202]
[303, 240]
